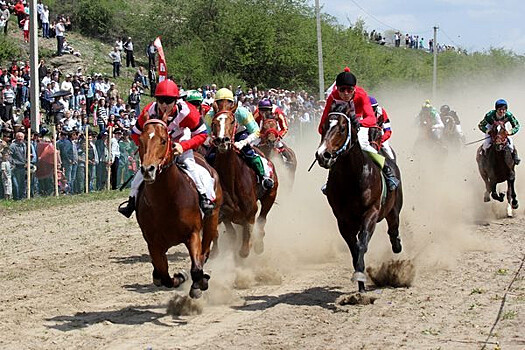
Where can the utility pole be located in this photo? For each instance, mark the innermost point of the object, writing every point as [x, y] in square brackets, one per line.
[35, 82]
[319, 50]
[434, 72]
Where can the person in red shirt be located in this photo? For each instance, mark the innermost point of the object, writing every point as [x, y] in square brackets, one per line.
[187, 131]
[265, 109]
[346, 90]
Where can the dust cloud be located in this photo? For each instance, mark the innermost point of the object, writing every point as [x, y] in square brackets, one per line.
[443, 200]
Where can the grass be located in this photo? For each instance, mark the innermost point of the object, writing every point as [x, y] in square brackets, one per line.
[61, 201]
[509, 315]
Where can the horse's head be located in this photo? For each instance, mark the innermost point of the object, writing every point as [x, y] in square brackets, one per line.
[269, 132]
[223, 125]
[155, 148]
[499, 135]
[450, 125]
[339, 134]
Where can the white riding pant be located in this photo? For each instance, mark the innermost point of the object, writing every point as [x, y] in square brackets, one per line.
[437, 131]
[362, 136]
[201, 177]
[387, 149]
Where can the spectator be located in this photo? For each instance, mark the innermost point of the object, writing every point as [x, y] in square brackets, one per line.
[140, 78]
[103, 160]
[19, 156]
[128, 48]
[152, 77]
[93, 162]
[150, 52]
[117, 60]
[20, 12]
[115, 156]
[44, 18]
[9, 101]
[65, 148]
[6, 14]
[134, 99]
[119, 45]
[60, 32]
[6, 175]
[3, 22]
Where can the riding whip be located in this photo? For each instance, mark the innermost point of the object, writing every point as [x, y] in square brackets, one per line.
[311, 166]
[470, 143]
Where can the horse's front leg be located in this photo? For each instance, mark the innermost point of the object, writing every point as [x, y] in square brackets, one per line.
[247, 229]
[210, 233]
[494, 193]
[199, 279]
[363, 238]
[161, 275]
[511, 195]
[266, 204]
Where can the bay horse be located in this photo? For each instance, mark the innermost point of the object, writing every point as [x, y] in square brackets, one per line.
[355, 190]
[239, 182]
[168, 211]
[284, 155]
[497, 165]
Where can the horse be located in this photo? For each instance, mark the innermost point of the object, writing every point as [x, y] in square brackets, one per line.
[283, 156]
[355, 190]
[451, 138]
[168, 210]
[497, 165]
[239, 183]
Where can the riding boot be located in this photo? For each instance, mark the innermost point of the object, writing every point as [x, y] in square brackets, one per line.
[323, 189]
[205, 204]
[391, 179]
[257, 165]
[517, 159]
[129, 208]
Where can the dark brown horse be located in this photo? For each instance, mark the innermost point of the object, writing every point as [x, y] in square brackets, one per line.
[239, 182]
[355, 189]
[168, 210]
[283, 157]
[497, 165]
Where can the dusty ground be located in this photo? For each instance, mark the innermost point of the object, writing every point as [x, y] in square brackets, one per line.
[80, 277]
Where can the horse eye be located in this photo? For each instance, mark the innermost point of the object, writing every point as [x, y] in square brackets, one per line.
[226, 139]
[163, 141]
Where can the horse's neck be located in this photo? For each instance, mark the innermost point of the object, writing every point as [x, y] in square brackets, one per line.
[229, 166]
[171, 177]
[349, 166]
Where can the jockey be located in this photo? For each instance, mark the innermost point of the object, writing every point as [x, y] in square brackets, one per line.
[195, 98]
[445, 112]
[347, 91]
[266, 110]
[429, 117]
[247, 132]
[384, 122]
[187, 131]
[500, 114]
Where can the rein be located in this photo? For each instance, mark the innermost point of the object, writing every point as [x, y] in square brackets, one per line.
[232, 139]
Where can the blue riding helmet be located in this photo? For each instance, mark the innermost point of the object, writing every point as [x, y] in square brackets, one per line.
[501, 103]
[265, 104]
[373, 101]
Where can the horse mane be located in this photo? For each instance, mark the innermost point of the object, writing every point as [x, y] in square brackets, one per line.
[347, 109]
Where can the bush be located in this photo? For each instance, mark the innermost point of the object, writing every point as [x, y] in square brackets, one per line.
[9, 50]
[99, 18]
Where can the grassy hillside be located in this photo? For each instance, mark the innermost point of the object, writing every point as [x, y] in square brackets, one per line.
[268, 43]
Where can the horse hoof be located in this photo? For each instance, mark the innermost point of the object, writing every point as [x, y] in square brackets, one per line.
[359, 277]
[258, 247]
[195, 293]
[180, 277]
[203, 285]
[486, 198]
[396, 246]
[244, 252]
[515, 205]
[157, 282]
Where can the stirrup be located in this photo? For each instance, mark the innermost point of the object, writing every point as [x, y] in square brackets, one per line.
[206, 204]
[128, 209]
[267, 183]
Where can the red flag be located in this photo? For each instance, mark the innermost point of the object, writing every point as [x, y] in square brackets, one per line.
[163, 68]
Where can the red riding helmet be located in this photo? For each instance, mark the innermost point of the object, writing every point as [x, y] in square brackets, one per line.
[167, 88]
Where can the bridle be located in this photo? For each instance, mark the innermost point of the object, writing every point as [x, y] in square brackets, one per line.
[345, 146]
[164, 163]
[225, 140]
[374, 142]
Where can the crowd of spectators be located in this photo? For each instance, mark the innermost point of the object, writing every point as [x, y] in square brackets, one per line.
[409, 41]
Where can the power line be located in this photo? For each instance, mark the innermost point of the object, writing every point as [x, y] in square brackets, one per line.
[452, 41]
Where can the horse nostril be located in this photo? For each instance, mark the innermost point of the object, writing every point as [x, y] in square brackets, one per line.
[327, 155]
[142, 170]
[151, 168]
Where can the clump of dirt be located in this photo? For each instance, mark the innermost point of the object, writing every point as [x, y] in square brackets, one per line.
[356, 299]
[268, 276]
[394, 273]
[184, 306]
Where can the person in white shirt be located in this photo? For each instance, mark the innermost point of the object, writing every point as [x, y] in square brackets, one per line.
[60, 30]
[44, 18]
[116, 59]
[115, 156]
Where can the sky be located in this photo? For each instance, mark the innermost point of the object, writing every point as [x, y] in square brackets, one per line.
[475, 25]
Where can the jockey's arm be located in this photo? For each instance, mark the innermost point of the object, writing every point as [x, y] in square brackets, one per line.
[515, 124]
[283, 124]
[387, 131]
[483, 124]
[136, 131]
[437, 123]
[194, 122]
[364, 108]
[245, 118]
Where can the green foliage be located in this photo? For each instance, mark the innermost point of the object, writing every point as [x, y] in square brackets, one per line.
[98, 18]
[8, 49]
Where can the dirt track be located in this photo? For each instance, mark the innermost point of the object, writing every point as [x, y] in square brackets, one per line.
[82, 279]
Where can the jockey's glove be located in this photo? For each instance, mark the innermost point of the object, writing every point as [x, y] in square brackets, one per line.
[177, 149]
[240, 144]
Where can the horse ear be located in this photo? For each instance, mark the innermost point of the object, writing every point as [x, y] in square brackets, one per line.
[332, 107]
[215, 107]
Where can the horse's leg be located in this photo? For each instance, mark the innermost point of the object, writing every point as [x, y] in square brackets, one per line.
[514, 200]
[231, 234]
[494, 193]
[349, 234]
[266, 204]
[210, 233]
[161, 275]
[364, 236]
[393, 229]
[200, 281]
[247, 229]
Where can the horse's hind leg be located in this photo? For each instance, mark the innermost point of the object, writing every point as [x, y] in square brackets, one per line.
[210, 234]
[266, 204]
[199, 279]
[511, 196]
[161, 276]
[393, 230]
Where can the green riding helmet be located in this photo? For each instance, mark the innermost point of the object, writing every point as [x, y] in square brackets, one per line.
[194, 96]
